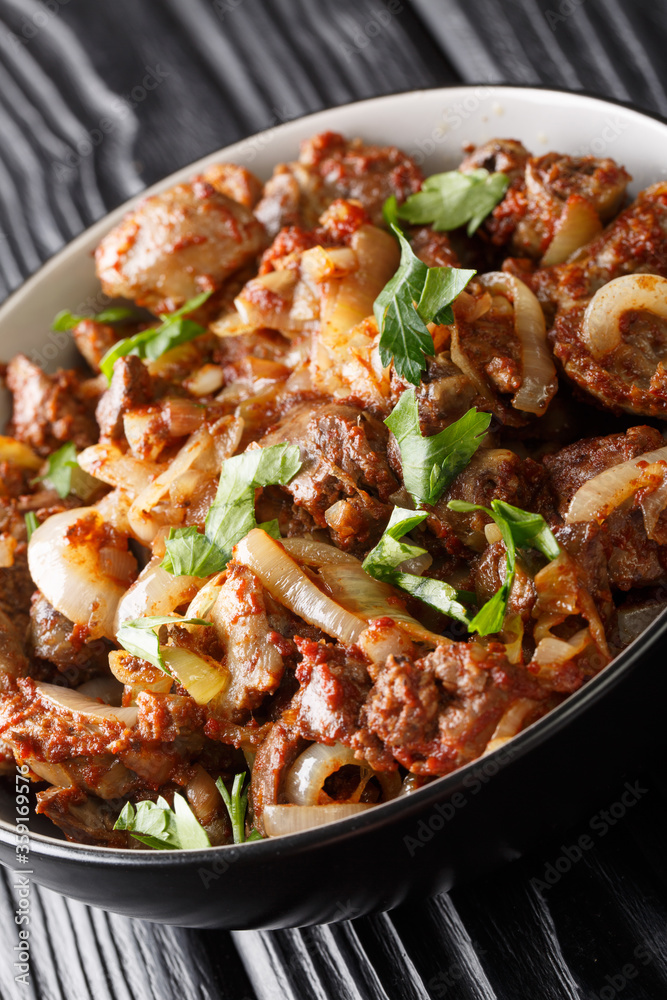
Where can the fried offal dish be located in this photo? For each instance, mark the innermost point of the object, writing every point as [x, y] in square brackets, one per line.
[313, 521]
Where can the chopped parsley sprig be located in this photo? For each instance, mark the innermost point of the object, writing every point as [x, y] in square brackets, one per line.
[232, 513]
[414, 296]
[519, 529]
[431, 463]
[452, 199]
[174, 330]
[385, 560]
[31, 523]
[65, 320]
[157, 825]
[237, 805]
[65, 475]
[139, 636]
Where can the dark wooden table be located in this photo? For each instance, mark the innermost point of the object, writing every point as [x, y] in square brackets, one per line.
[176, 80]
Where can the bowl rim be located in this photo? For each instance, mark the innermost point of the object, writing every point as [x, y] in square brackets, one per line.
[384, 813]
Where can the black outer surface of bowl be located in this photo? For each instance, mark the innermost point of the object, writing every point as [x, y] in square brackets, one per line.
[561, 769]
[460, 826]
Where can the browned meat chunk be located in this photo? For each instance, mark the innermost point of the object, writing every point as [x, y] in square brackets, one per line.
[433, 248]
[343, 450]
[130, 388]
[331, 167]
[633, 559]
[575, 464]
[93, 340]
[274, 758]
[630, 375]
[48, 410]
[635, 241]
[13, 660]
[438, 713]
[175, 244]
[493, 473]
[56, 639]
[507, 156]
[334, 685]
[235, 182]
[556, 184]
[252, 648]
[543, 191]
[84, 819]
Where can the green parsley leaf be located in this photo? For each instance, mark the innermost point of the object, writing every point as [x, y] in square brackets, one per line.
[390, 211]
[157, 825]
[66, 320]
[151, 344]
[431, 463]
[59, 472]
[232, 513]
[442, 285]
[65, 476]
[398, 310]
[450, 200]
[237, 804]
[520, 529]
[31, 523]
[384, 562]
[272, 528]
[140, 639]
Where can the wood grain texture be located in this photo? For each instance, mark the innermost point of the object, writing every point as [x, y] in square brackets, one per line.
[98, 100]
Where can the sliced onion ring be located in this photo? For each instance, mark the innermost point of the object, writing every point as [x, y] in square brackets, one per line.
[578, 225]
[313, 553]
[600, 330]
[279, 821]
[155, 592]
[290, 586]
[596, 499]
[538, 374]
[73, 701]
[74, 574]
[371, 599]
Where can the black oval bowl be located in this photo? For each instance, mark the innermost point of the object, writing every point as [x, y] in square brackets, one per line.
[460, 826]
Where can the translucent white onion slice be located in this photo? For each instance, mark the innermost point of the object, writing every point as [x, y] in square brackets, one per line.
[577, 226]
[305, 779]
[313, 553]
[538, 374]
[81, 704]
[74, 573]
[596, 499]
[201, 676]
[155, 592]
[600, 330]
[290, 586]
[371, 599]
[279, 821]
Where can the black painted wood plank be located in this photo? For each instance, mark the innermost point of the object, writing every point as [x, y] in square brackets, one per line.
[215, 72]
